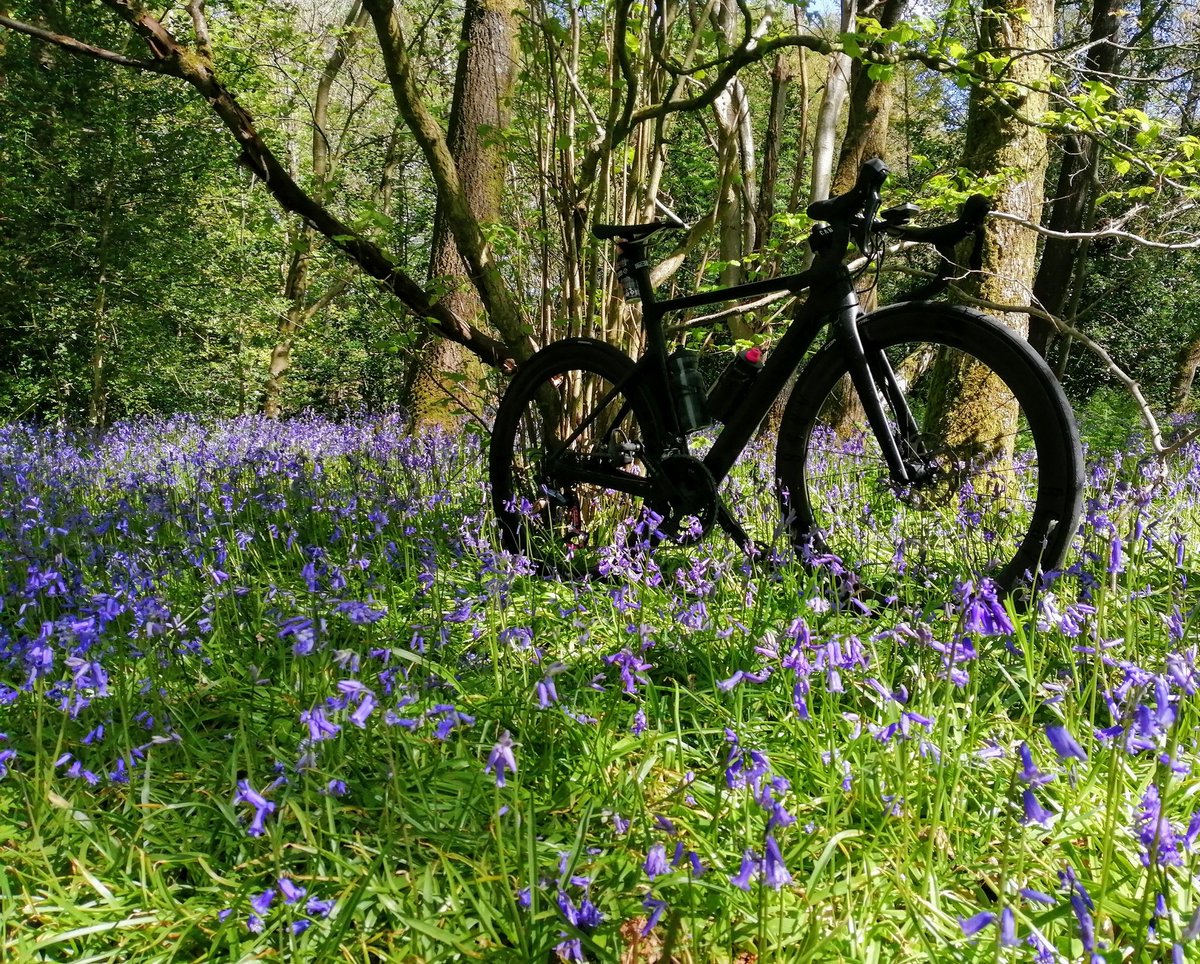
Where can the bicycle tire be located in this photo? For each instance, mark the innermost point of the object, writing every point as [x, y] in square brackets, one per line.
[979, 514]
[567, 529]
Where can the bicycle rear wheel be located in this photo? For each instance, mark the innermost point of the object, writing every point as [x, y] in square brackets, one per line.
[1000, 477]
[571, 425]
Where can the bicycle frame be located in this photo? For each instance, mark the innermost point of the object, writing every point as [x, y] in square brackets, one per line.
[831, 298]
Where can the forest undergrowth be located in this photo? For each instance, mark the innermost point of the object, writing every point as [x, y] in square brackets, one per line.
[271, 690]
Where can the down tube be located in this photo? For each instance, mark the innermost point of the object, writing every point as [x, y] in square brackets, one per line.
[781, 363]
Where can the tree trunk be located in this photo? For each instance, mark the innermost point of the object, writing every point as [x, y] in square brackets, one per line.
[1074, 196]
[1186, 365]
[781, 80]
[483, 84]
[869, 116]
[837, 82]
[303, 242]
[1000, 139]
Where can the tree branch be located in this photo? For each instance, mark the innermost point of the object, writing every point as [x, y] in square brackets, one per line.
[81, 48]
[176, 60]
[1161, 448]
[1092, 235]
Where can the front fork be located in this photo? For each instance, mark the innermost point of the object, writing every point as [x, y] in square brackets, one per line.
[875, 383]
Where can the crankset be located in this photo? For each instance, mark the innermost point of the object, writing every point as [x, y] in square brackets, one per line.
[686, 488]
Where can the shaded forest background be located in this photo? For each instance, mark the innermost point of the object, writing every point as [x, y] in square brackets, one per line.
[234, 207]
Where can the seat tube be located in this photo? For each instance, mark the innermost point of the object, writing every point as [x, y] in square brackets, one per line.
[638, 267]
[866, 388]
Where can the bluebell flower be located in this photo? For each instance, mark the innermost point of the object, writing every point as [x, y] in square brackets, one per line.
[747, 872]
[1035, 813]
[319, 727]
[1157, 836]
[501, 759]
[318, 908]
[1064, 743]
[775, 874]
[366, 706]
[300, 926]
[976, 922]
[263, 901]
[656, 861]
[656, 908]
[261, 806]
[983, 611]
[292, 893]
[1008, 929]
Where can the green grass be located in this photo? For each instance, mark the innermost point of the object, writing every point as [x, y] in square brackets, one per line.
[425, 858]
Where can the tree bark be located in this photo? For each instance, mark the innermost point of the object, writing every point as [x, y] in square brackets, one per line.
[1186, 365]
[483, 85]
[1074, 196]
[837, 82]
[1001, 139]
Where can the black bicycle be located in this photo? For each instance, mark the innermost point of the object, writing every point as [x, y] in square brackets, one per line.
[922, 437]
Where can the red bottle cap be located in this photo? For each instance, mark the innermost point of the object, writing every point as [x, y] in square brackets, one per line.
[753, 355]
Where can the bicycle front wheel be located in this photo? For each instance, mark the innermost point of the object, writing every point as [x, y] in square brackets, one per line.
[571, 456]
[998, 470]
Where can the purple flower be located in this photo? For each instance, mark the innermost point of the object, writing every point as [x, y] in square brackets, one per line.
[774, 872]
[1029, 773]
[319, 728]
[292, 893]
[318, 908]
[262, 902]
[365, 707]
[1035, 813]
[1008, 928]
[1064, 744]
[974, 924]
[300, 926]
[1155, 833]
[745, 875]
[983, 613]
[656, 861]
[656, 908]
[1116, 555]
[501, 759]
[262, 806]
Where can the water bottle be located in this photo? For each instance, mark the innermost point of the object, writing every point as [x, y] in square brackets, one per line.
[684, 368]
[733, 382]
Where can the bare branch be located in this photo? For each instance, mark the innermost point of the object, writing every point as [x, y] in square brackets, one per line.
[1161, 448]
[1092, 235]
[81, 48]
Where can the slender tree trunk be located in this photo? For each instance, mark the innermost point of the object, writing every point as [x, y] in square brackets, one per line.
[302, 242]
[781, 80]
[837, 83]
[101, 341]
[1074, 195]
[483, 84]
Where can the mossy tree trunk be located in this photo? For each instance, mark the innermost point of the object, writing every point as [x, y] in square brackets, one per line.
[1002, 140]
[444, 379]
